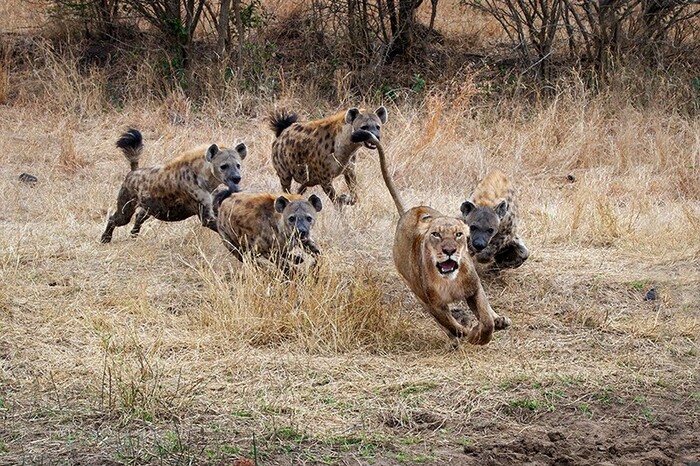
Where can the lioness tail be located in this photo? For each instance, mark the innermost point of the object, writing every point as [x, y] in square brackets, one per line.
[362, 136]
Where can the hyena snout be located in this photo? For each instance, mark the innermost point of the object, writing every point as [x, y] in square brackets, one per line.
[302, 229]
[233, 180]
[479, 243]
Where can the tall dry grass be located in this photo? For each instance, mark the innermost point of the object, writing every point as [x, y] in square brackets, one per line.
[164, 346]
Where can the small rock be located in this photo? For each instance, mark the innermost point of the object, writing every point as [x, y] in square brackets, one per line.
[555, 436]
[244, 462]
[570, 178]
[469, 450]
[27, 178]
[651, 295]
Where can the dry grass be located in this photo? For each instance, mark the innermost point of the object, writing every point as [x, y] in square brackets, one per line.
[165, 349]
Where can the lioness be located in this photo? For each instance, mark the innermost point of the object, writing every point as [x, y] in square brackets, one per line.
[431, 254]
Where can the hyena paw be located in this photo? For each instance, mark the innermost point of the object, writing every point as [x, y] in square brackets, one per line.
[501, 323]
[345, 199]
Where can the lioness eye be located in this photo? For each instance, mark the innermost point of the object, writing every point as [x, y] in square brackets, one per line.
[238, 165]
[224, 166]
[459, 234]
[489, 231]
[309, 219]
[364, 127]
[292, 219]
[435, 234]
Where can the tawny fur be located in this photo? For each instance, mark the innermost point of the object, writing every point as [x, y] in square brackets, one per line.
[176, 190]
[268, 225]
[430, 253]
[316, 152]
[492, 215]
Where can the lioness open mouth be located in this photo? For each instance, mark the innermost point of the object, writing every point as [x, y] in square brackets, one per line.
[370, 146]
[447, 266]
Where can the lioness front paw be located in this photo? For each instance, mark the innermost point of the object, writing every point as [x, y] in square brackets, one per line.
[501, 323]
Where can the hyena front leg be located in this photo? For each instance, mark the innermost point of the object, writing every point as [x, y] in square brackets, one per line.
[351, 181]
[141, 216]
[206, 209]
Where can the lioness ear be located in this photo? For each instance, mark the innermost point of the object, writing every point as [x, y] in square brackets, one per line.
[501, 209]
[242, 150]
[281, 203]
[211, 152]
[467, 206]
[316, 202]
[382, 113]
[350, 116]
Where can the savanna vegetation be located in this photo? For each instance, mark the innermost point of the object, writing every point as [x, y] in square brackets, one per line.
[164, 349]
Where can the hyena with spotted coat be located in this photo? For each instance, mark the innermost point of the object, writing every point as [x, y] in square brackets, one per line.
[316, 152]
[176, 190]
[267, 225]
[492, 215]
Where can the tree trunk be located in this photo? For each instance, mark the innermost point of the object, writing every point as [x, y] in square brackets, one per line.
[223, 38]
[239, 29]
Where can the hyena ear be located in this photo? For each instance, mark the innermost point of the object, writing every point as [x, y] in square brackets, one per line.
[350, 116]
[211, 152]
[242, 150]
[281, 203]
[502, 209]
[382, 113]
[467, 207]
[316, 202]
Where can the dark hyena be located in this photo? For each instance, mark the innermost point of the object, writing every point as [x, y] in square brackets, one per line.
[492, 216]
[176, 190]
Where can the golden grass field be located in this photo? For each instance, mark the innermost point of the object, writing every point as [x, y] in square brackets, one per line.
[165, 350]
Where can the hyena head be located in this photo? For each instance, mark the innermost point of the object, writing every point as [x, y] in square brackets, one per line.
[483, 222]
[371, 122]
[226, 163]
[298, 217]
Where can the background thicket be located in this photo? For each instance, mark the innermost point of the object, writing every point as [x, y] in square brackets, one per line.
[348, 49]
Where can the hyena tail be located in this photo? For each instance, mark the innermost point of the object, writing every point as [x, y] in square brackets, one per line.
[131, 144]
[281, 120]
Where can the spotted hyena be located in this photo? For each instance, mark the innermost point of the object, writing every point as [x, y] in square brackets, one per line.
[175, 190]
[492, 215]
[316, 152]
[267, 225]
